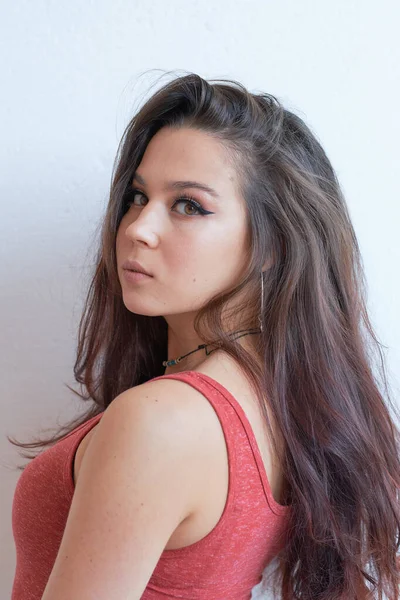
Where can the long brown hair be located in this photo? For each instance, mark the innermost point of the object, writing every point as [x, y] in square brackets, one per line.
[340, 455]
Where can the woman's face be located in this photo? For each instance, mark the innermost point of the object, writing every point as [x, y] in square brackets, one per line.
[190, 256]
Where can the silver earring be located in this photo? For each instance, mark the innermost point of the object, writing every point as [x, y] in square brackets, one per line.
[262, 301]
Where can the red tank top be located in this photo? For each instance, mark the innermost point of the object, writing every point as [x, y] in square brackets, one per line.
[226, 563]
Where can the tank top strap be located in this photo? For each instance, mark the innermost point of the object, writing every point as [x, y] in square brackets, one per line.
[228, 424]
[240, 440]
[216, 395]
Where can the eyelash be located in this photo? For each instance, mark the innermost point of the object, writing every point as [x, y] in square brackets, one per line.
[187, 199]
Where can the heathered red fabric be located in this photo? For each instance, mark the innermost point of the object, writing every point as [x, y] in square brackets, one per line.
[224, 565]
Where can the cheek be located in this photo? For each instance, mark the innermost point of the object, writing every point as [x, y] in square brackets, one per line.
[209, 263]
[183, 260]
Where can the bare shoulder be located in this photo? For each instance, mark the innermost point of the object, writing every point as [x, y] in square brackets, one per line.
[164, 404]
[164, 412]
[171, 423]
[163, 409]
[138, 482]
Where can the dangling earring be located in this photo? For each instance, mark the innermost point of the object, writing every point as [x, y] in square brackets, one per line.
[260, 318]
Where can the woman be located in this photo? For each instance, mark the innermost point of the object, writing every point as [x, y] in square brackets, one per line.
[234, 414]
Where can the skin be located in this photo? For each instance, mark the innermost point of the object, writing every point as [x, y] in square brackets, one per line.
[191, 257]
[157, 445]
[155, 472]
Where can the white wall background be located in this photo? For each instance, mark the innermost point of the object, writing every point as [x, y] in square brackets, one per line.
[70, 80]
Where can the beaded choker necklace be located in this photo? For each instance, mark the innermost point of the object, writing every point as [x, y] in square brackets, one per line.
[171, 363]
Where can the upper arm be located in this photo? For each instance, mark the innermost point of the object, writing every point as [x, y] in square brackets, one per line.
[134, 489]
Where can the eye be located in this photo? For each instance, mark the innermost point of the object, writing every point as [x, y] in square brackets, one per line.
[192, 204]
[195, 207]
[131, 196]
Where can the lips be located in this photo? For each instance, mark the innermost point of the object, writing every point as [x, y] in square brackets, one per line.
[133, 265]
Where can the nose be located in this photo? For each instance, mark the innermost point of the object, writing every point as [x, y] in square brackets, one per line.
[144, 227]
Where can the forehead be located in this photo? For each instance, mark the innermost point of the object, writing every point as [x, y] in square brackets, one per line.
[188, 154]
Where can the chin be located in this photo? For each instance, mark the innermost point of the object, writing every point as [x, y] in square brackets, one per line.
[138, 308]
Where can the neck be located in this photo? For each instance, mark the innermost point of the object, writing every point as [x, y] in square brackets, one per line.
[197, 356]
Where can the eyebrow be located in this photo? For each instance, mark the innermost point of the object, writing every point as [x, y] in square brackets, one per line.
[181, 185]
